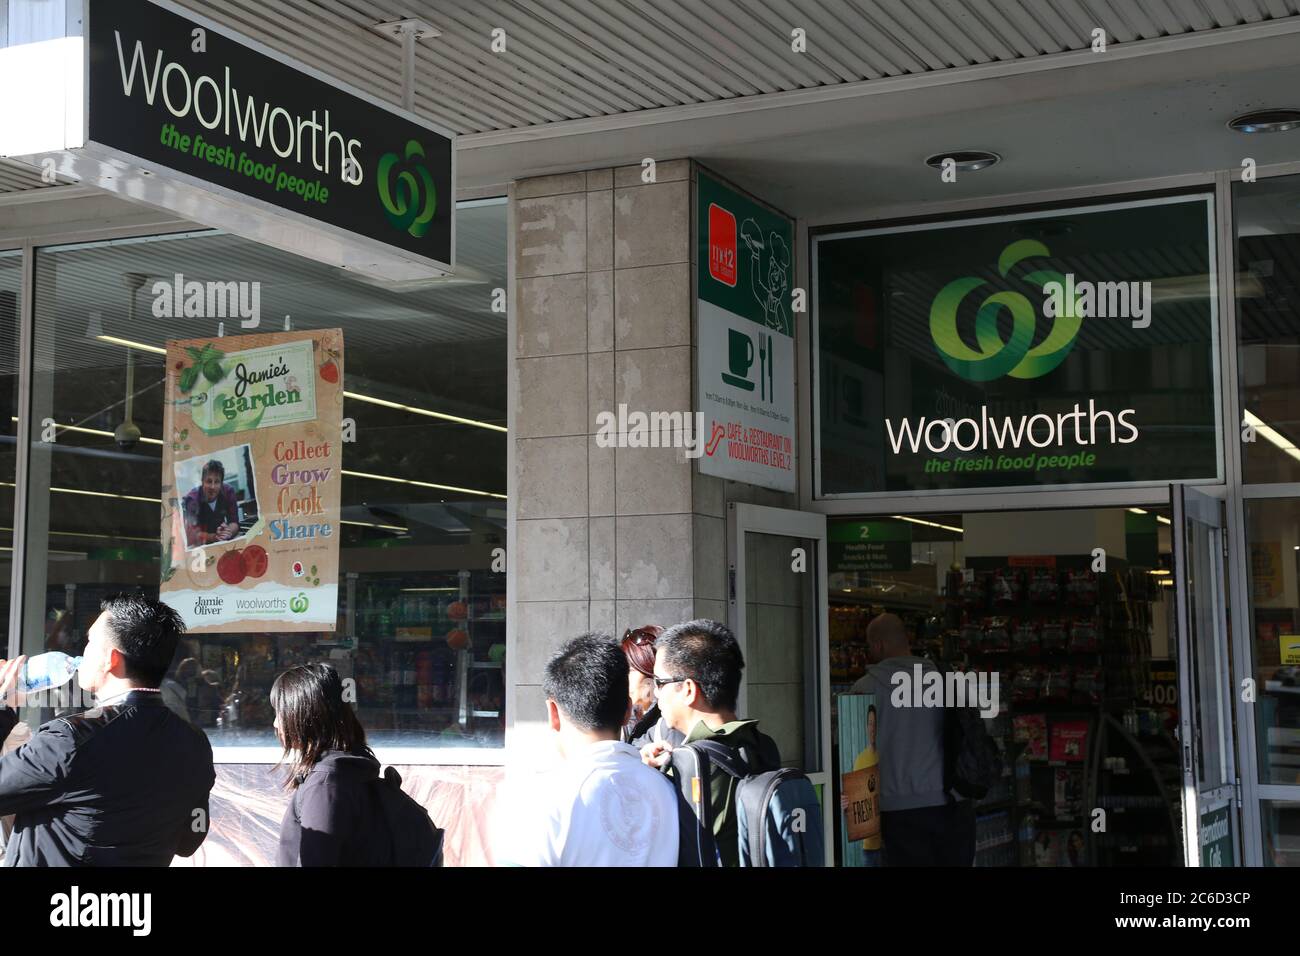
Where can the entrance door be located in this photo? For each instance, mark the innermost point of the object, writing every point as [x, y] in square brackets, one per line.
[777, 608]
[1205, 685]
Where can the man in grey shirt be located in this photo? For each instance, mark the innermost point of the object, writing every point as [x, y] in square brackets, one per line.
[921, 824]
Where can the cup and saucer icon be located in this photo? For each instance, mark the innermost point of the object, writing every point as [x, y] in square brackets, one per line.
[740, 356]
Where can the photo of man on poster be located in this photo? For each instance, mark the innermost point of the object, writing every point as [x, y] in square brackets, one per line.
[212, 507]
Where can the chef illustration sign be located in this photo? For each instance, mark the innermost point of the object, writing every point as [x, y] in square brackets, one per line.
[251, 481]
[746, 337]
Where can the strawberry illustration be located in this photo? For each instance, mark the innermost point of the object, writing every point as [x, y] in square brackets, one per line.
[330, 372]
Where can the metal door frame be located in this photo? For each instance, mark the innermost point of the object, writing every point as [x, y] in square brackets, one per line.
[1190, 505]
[759, 519]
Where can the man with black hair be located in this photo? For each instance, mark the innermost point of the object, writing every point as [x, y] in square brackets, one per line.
[697, 679]
[123, 784]
[601, 806]
[211, 511]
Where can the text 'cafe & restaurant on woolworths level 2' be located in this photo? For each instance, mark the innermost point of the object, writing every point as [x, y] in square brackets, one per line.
[509, 322]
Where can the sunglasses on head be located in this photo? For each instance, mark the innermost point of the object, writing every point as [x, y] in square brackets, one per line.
[640, 635]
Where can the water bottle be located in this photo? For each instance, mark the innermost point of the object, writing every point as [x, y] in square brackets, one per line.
[47, 671]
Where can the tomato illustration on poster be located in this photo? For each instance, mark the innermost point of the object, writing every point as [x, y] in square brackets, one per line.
[251, 481]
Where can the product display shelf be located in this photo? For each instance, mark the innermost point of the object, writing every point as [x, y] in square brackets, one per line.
[1140, 796]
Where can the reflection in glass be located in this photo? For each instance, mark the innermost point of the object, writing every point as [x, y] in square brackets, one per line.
[1273, 540]
[421, 615]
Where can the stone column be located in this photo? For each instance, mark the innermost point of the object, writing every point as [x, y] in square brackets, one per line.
[604, 538]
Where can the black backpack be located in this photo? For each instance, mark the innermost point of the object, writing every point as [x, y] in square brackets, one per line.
[778, 816]
[413, 838]
[972, 762]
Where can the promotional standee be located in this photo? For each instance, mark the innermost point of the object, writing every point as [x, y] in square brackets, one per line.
[745, 361]
[251, 478]
[859, 754]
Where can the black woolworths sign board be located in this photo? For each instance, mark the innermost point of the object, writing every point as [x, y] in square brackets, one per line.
[180, 95]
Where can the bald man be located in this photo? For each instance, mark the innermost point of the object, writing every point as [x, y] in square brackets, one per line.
[921, 824]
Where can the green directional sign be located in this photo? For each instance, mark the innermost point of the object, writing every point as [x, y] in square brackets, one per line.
[884, 545]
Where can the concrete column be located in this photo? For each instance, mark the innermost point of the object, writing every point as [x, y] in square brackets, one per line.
[605, 538]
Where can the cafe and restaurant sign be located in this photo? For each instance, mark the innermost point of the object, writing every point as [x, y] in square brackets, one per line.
[167, 108]
[745, 361]
[1062, 348]
[251, 481]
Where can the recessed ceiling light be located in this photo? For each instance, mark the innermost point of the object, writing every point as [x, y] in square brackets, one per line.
[1266, 121]
[966, 160]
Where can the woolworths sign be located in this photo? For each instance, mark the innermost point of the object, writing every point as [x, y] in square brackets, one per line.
[1064, 348]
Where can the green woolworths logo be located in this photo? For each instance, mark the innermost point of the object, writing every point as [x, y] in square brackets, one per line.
[407, 192]
[996, 358]
[298, 603]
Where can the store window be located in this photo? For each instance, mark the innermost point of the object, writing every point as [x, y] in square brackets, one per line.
[11, 270]
[1273, 539]
[420, 625]
[1281, 824]
[1268, 325]
[1056, 348]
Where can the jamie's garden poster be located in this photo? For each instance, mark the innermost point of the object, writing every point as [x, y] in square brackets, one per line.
[251, 481]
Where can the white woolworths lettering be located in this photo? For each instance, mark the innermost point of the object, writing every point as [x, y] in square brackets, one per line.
[1013, 432]
[246, 116]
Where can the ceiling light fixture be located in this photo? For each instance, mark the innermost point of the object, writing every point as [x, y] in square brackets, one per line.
[93, 431]
[357, 396]
[964, 160]
[1271, 434]
[422, 484]
[1266, 121]
[928, 524]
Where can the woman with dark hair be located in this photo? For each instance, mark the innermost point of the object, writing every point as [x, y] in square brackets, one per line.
[645, 724]
[336, 817]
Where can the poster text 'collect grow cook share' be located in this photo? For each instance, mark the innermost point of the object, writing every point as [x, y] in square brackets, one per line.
[251, 478]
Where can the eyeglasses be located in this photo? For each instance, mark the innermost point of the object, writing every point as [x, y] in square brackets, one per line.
[641, 636]
[665, 681]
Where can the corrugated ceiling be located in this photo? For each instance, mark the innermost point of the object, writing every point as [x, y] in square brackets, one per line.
[571, 59]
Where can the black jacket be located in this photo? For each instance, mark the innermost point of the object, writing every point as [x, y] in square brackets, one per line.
[335, 818]
[115, 786]
[651, 728]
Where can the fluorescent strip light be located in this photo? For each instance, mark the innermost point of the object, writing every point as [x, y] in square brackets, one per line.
[1163, 520]
[928, 524]
[413, 409]
[414, 590]
[1270, 433]
[1137, 511]
[114, 340]
[96, 494]
[93, 431]
[371, 524]
[421, 484]
[1160, 572]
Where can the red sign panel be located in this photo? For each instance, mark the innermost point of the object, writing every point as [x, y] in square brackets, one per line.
[722, 245]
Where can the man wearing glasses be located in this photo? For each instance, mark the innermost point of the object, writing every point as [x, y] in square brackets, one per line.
[697, 680]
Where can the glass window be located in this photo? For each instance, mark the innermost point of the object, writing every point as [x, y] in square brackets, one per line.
[1062, 347]
[1273, 539]
[11, 271]
[421, 613]
[1268, 325]
[1281, 825]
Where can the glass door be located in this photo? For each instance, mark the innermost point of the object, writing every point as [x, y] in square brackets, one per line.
[777, 609]
[1210, 805]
